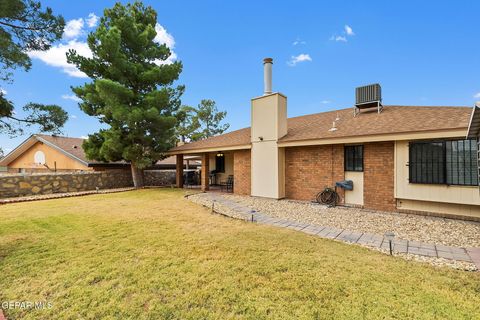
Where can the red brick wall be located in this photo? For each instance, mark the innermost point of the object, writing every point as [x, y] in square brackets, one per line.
[205, 176]
[241, 172]
[378, 176]
[308, 170]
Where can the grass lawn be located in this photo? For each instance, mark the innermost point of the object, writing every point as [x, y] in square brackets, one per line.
[150, 254]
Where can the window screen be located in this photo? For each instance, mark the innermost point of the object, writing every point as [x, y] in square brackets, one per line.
[354, 158]
[443, 162]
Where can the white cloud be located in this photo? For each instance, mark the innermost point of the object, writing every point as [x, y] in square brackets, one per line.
[477, 95]
[73, 28]
[298, 41]
[349, 30]
[71, 97]
[56, 56]
[338, 38]
[92, 20]
[163, 37]
[3, 91]
[73, 38]
[300, 58]
[73, 116]
[84, 137]
[325, 101]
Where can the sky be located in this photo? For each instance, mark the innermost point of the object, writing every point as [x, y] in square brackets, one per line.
[421, 52]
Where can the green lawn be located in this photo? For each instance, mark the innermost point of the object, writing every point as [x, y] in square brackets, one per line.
[151, 254]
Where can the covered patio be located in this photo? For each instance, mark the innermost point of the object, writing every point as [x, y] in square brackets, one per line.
[215, 174]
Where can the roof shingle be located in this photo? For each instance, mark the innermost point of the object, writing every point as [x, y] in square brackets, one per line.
[393, 119]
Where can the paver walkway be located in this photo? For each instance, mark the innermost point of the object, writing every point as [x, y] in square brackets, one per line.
[368, 239]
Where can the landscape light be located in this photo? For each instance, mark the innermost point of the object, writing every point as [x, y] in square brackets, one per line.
[390, 236]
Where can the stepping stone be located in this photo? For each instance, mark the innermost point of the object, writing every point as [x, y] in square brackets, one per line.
[349, 236]
[474, 254]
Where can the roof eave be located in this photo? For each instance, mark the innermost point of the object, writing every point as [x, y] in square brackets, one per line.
[68, 154]
[210, 149]
[11, 156]
[416, 135]
[474, 124]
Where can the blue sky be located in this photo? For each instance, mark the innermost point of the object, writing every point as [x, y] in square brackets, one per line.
[421, 52]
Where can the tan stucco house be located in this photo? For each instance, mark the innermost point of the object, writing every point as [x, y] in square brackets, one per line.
[413, 159]
[45, 153]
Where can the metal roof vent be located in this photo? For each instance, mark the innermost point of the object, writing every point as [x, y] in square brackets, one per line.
[367, 97]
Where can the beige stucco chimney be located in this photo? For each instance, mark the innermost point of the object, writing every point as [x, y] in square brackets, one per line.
[269, 124]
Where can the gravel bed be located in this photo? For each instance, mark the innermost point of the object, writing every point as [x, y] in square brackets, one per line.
[448, 232]
[265, 206]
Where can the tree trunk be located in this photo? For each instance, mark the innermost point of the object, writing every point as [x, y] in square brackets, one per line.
[137, 176]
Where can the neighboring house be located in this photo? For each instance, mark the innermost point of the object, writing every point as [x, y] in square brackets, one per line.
[170, 163]
[44, 153]
[411, 159]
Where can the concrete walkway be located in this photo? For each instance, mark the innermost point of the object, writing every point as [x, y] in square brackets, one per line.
[371, 240]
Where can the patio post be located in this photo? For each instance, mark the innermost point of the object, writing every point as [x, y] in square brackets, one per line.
[179, 173]
[205, 172]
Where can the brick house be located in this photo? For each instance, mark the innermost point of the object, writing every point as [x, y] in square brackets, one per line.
[410, 159]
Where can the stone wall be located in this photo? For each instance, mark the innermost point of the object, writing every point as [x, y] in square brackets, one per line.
[159, 177]
[19, 185]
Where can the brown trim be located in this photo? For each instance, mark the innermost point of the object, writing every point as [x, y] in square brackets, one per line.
[210, 149]
[397, 136]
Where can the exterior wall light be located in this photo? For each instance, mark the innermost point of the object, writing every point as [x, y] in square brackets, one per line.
[213, 206]
[390, 236]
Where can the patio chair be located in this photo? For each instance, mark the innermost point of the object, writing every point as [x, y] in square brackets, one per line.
[228, 184]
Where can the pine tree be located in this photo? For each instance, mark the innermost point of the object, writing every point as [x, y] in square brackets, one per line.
[25, 27]
[131, 90]
[209, 120]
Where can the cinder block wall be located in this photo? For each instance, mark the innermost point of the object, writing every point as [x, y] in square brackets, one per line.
[242, 172]
[308, 170]
[378, 176]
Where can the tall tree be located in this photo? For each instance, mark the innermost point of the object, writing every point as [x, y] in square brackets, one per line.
[24, 27]
[131, 90]
[187, 123]
[209, 119]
